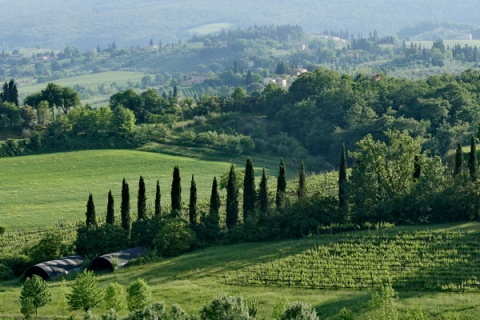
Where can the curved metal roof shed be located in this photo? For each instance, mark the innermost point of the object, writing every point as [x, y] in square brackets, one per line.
[111, 261]
[55, 268]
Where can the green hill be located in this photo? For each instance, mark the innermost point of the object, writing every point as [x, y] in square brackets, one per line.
[193, 279]
[60, 23]
[42, 189]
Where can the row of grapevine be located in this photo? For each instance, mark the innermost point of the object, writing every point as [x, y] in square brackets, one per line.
[411, 260]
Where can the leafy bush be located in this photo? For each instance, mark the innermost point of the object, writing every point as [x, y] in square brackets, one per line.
[100, 240]
[5, 273]
[299, 311]
[155, 311]
[115, 296]
[17, 263]
[144, 231]
[226, 308]
[139, 295]
[50, 247]
[175, 237]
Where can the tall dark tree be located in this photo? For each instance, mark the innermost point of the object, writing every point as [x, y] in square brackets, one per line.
[10, 92]
[249, 193]
[192, 207]
[281, 185]
[215, 199]
[90, 214]
[158, 200]
[110, 209]
[232, 199]
[141, 200]
[176, 192]
[458, 160]
[125, 207]
[302, 183]
[263, 194]
[472, 160]
[342, 180]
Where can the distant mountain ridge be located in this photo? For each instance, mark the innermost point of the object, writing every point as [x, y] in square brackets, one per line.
[86, 24]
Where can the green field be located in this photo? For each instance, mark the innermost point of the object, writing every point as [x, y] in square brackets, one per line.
[39, 190]
[89, 81]
[210, 28]
[193, 279]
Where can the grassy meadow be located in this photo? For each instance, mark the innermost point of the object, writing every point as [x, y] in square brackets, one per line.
[193, 279]
[39, 190]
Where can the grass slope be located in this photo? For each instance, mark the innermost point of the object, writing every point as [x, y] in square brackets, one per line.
[193, 279]
[39, 190]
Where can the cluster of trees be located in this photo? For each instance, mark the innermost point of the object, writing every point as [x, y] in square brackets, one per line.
[137, 298]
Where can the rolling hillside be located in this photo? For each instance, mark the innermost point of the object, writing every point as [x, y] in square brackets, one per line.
[56, 23]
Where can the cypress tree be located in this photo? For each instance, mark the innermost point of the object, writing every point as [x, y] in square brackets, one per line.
[158, 197]
[263, 194]
[249, 193]
[90, 214]
[110, 209]
[302, 184]
[141, 200]
[215, 199]
[176, 192]
[458, 160]
[281, 185]
[125, 207]
[192, 208]
[472, 160]
[232, 199]
[342, 180]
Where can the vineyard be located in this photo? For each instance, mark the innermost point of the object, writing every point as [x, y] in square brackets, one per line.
[420, 260]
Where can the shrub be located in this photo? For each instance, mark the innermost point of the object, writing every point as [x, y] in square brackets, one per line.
[139, 295]
[5, 273]
[226, 308]
[175, 237]
[144, 231]
[115, 296]
[154, 311]
[100, 240]
[50, 247]
[299, 311]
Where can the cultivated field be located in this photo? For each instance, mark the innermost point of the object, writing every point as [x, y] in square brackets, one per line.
[193, 279]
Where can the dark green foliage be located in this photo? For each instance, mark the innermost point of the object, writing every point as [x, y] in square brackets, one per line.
[417, 168]
[10, 92]
[141, 200]
[158, 200]
[35, 294]
[139, 295]
[304, 216]
[50, 247]
[263, 194]
[215, 199]
[302, 183]
[110, 209]
[176, 192]
[153, 311]
[472, 159]
[192, 207]
[342, 180]
[174, 238]
[91, 220]
[281, 185]
[249, 193]
[232, 199]
[145, 231]
[458, 160]
[100, 240]
[125, 207]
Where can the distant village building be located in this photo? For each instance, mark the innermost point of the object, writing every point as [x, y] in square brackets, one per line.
[281, 82]
[195, 79]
